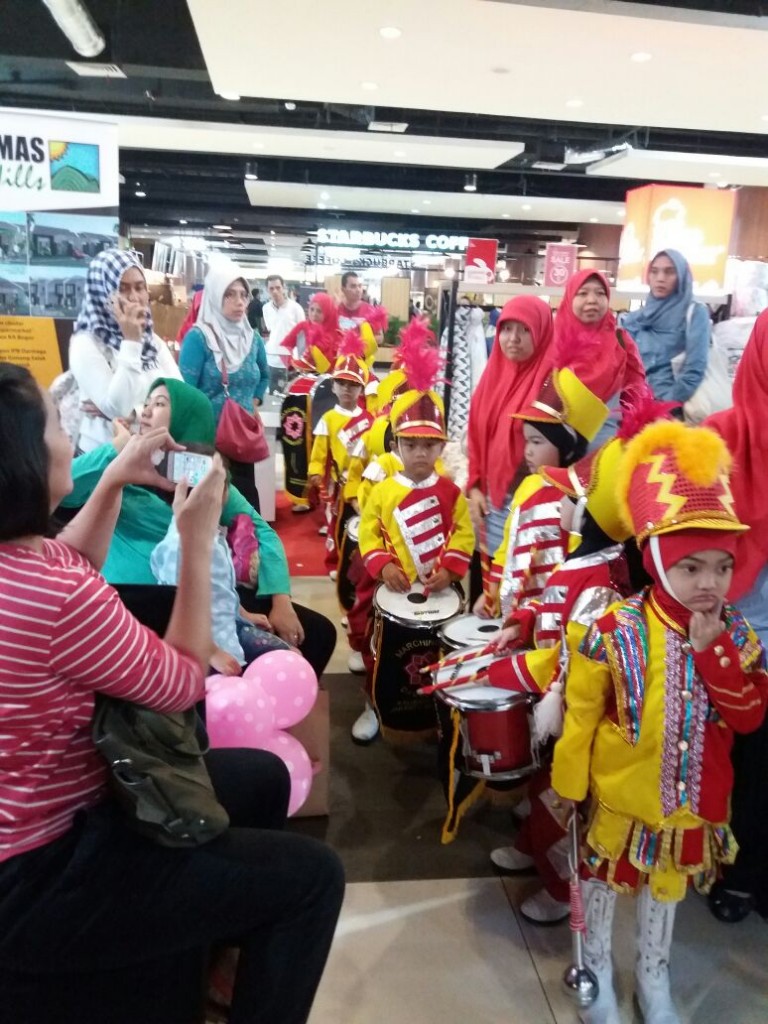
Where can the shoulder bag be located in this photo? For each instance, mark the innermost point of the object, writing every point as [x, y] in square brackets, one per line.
[157, 771]
[240, 434]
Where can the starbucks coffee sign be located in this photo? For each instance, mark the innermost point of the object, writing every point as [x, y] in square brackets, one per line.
[409, 240]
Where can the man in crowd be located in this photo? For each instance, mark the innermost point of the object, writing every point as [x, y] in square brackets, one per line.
[352, 309]
[255, 310]
[280, 314]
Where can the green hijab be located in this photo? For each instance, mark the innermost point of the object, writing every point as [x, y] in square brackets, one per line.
[192, 420]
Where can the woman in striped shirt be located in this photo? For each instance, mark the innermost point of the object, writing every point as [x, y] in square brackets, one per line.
[66, 854]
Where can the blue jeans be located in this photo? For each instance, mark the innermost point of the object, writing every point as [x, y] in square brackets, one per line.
[255, 641]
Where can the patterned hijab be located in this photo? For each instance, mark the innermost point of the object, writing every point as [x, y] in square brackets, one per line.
[105, 273]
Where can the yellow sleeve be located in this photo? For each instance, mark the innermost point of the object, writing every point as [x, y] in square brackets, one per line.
[318, 460]
[373, 550]
[587, 689]
[364, 493]
[458, 553]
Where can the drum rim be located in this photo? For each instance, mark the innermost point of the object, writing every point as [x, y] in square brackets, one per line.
[510, 699]
[467, 615]
[433, 624]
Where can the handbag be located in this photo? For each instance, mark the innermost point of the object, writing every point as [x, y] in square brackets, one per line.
[157, 771]
[239, 435]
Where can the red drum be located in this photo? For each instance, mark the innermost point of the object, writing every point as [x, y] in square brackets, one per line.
[496, 731]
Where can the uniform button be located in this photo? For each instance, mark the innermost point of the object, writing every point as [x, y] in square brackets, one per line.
[686, 695]
[719, 649]
[725, 662]
[681, 786]
[682, 745]
[687, 648]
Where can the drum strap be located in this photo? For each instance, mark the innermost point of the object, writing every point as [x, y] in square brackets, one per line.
[463, 790]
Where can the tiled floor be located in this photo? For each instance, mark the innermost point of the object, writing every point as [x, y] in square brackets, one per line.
[454, 951]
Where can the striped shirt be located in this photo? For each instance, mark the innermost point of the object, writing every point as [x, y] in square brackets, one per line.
[64, 634]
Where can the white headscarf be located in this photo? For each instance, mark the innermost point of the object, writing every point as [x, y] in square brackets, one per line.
[230, 341]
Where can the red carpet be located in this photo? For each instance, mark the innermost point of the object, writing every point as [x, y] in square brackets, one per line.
[303, 545]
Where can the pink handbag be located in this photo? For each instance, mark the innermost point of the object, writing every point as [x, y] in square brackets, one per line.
[239, 435]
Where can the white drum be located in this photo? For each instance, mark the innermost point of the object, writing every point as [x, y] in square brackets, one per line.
[415, 609]
[353, 528]
[469, 631]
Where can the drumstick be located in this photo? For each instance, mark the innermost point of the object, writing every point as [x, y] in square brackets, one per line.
[458, 659]
[427, 690]
[485, 567]
[439, 559]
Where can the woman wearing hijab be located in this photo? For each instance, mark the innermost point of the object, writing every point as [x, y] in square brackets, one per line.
[223, 342]
[745, 885]
[114, 354]
[585, 328]
[671, 324]
[519, 362]
[319, 331]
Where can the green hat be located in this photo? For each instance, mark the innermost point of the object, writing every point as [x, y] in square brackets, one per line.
[192, 419]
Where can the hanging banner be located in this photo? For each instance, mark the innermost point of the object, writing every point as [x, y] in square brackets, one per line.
[695, 221]
[560, 262]
[480, 264]
[48, 162]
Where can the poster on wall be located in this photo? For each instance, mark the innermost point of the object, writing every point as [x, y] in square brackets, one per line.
[560, 262]
[695, 221]
[39, 343]
[480, 262]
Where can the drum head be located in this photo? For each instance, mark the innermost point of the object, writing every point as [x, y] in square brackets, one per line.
[414, 608]
[476, 697]
[471, 631]
[353, 528]
[323, 398]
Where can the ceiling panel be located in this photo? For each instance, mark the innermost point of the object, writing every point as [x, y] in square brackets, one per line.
[502, 59]
[657, 165]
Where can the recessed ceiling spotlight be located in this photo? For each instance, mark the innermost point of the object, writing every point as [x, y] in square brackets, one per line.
[325, 195]
[139, 193]
[426, 202]
[369, 86]
[390, 32]
[229, 95]
[507, 216]
[251, 171]
[574, 103]
[290, 105]
[715, 174]
[621, 212]
[400, 152]
[641, 57]
[593, 220]
[526, 206]
[322, 206]
[182, 221]
[222, 227]
[256, 144]
[271, 232]
[415, 211]
[470, 183]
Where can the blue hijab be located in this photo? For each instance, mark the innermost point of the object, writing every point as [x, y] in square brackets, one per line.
[668, 314]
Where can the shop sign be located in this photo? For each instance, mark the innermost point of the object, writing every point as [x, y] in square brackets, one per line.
[327, 258]
[560, 262]
[480, 266]
[55, 163]
[392, 240]
[695, 221]
[32, 342]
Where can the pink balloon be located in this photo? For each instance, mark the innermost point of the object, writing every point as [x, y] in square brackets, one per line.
[237, 712]
[297, 761]
[290, 683]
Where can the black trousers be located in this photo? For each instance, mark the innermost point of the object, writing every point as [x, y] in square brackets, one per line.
[243, 479]
[103, 898]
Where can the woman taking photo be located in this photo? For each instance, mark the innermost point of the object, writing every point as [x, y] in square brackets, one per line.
[520, 360]
[221, 346]
[114, 354]
[669, 325]
[66, 851]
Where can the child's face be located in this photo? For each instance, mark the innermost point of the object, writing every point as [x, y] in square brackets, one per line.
[701, 580]
[538, 450]
[419, 455]
[347, 393]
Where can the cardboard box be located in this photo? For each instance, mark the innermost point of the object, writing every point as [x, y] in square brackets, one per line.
[314, 733]
[167, 320]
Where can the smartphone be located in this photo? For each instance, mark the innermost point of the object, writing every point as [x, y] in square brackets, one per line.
[189, 465]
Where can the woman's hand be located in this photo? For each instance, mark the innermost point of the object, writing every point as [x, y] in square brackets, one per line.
[198, 511]
[224, 663]
[285, 621]
[131, 317]
[121, 434]
[395, 579]
[478, 506]
[135, 463]
[260, 621]
[508, 637]
[704, 629]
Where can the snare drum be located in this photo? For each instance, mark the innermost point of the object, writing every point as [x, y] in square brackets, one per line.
[349, 563]
[405, 640]
[469, 631]
[496, 731]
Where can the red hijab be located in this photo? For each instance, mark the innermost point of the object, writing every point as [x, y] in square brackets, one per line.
[743, 429]
[593, 350]
[330, 322]
[191, 318]
[496, 441]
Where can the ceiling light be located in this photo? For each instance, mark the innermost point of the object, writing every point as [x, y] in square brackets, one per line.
[415, 211]
[77, 25]
[507, 216]
[764, 117]
[140, 194]
[593, 220]
[574, 103]
[426, 202]
[229, 95]
[182, 221]
[470, 183]
[290, 105]
[257, 145]
[390, 32]
[271, 232]
[221, 227]
[526, 206]
[621, 212]
[449, 272]
[396, 127]
[369, 86]
[641, 57]
[325, 195]
[95, 69]
[322, 206]
[715, 174]
[251, 171]
[400, 152]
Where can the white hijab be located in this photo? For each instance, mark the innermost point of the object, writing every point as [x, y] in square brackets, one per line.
[230, 341]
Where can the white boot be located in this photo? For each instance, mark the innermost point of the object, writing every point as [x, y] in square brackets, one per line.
[366, 728]
[599, 905]
[507, 858]
[355, 663]
[655, 921]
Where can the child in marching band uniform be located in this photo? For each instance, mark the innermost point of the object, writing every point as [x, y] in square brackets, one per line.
[415, 525]
[655, 692]
[336, 436]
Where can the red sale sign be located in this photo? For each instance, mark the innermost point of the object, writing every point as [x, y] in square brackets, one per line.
[480, 262]
[560, 261]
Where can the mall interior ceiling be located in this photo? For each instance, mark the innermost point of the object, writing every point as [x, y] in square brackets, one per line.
[155, 46]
